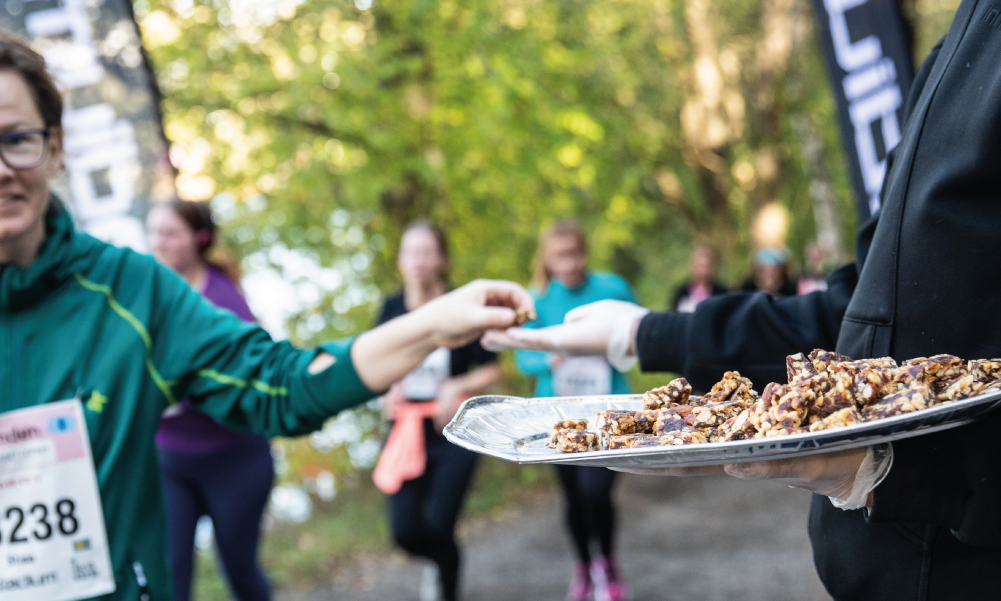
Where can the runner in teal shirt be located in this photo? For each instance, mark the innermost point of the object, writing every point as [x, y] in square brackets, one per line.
[563, 282]
[552, 307]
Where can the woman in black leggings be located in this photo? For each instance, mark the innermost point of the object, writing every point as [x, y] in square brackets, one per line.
[426, 476]
[209, 469]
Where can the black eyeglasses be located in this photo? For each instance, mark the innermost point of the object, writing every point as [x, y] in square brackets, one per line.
[24, 149]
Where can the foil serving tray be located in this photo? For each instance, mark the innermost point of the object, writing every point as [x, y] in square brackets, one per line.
[517, 429]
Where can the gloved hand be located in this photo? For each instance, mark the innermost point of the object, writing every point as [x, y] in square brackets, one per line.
[846, 477]
[600, 328]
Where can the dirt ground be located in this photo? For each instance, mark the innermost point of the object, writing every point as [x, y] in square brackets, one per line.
[680, 539]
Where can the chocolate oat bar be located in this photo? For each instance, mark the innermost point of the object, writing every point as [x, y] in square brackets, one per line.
[617, 422]
[574, 441]
[939, 367]
[957, 389]
[782, 406]
[724, 389]
[571, 424]
[984, 370]
[799, 367]
[830, 402]
[822, 359]
[873, 384]
[848, 416]
[671, 420]
[677, 391]
[684, 436]
[905, 401]
[712, 416]
[738, 427]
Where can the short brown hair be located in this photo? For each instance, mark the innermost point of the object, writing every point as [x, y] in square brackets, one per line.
[17, 56]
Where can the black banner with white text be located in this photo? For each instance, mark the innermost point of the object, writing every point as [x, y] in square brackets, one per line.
[868, 57]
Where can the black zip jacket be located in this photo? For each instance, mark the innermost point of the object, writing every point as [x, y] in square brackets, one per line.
[928, 284]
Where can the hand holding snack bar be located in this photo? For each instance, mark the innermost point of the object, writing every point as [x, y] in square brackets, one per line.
[600, 328]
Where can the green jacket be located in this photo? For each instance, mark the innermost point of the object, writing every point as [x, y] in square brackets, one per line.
[129, 337]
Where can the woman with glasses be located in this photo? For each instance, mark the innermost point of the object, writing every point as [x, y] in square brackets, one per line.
[121, 338]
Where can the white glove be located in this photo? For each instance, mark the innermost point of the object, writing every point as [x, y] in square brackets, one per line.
[600, 328]
[846, 477]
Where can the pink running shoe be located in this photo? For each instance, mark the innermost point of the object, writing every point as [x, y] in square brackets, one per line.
[581, 588]
[607, 584]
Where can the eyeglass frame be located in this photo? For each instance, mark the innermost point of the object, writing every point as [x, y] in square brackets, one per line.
[45, 133]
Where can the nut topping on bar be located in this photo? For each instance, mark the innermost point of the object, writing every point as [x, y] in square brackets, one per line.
[732, 385]
[677, 391]
[574, 441]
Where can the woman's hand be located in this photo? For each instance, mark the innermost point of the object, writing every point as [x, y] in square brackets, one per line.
[847, 477]
[605, 327]
[463, 315]
[387, 353]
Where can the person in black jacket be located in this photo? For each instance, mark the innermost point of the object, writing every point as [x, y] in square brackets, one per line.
[925, 282]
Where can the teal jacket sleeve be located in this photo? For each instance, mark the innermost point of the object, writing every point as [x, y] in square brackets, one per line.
[237, 374]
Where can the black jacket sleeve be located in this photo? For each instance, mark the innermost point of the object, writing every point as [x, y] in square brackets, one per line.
[751, 333]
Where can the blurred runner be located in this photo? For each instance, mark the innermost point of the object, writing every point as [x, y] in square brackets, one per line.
[99, 340]
[771, 273]
[702, 284]
[425, 476]
[816, 272]
[209, 469]
[562, 282]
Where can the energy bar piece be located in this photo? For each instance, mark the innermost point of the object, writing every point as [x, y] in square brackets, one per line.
[670, 420]
[738, 427]
[783, 407]
[725, 388]
[523, 316]
[677, 391]
[616, 422]
[571, 424]
[848, 416]
[957, 389]
[712, 416]
[799, 367]
[575, 441]
[939, 367]
[831, 402]
[685, 436]
[822, 359]
[985, 370]
[873, 384]
[905, 401]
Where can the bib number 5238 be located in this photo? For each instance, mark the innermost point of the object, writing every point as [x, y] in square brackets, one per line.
[38, 521]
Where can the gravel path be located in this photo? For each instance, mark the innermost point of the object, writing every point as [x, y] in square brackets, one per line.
[680, 539]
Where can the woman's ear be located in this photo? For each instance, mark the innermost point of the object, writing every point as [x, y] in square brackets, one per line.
[56, 155]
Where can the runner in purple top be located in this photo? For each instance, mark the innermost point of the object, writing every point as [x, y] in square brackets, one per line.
[209, 469]
[186, 429]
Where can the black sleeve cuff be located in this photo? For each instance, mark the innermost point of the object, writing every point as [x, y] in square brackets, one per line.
[661, 341]
[926, 484]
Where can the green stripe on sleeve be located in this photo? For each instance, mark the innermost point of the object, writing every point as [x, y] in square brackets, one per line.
[137, 325]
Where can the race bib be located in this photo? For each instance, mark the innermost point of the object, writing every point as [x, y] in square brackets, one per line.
[53, 545]
[422, 383]
[582, 376]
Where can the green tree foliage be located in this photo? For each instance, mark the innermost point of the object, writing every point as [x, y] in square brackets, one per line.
[658, 124]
